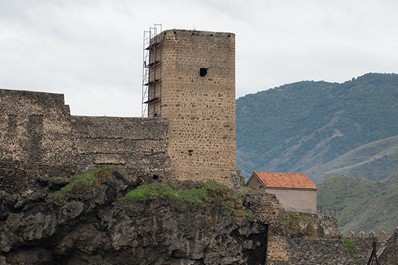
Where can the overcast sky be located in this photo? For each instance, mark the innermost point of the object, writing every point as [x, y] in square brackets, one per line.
[91, 50]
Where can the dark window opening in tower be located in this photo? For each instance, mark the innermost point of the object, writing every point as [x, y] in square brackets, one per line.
[203, 72]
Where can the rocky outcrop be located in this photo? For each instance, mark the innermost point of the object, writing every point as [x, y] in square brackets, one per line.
[105, 216]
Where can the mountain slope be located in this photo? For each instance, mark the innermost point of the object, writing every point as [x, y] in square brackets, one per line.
[361, 204]
[371, 161]
[304, 125]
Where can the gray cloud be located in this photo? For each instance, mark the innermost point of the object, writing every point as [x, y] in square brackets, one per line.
[91, 51]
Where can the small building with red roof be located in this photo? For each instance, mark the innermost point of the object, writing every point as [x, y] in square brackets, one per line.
[295, 191]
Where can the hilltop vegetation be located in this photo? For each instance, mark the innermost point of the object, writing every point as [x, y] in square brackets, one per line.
[361, 204]
[300, 127]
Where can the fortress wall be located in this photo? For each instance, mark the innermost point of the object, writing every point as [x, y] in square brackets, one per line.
[267, 209]
[34, 128]
[35, 138]
[138, 143]
[39, 139]
[197, 129]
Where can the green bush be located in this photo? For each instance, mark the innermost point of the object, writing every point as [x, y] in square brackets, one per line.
[351, 247]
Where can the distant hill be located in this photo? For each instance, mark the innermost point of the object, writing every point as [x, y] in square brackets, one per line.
[308, 126]
[361, 204]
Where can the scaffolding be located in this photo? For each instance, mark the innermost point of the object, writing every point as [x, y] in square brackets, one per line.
[151, 72]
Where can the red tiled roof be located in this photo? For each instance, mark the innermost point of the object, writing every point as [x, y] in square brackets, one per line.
[285, 180]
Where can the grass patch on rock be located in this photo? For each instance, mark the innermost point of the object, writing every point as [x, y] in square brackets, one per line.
[351, 248]
[208, 193]
[299, 224]
[85, 182]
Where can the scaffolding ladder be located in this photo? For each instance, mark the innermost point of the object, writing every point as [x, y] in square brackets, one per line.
[150, 75]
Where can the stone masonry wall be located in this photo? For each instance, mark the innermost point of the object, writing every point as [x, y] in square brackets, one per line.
[267, 209]
[39, 138]
[315, 252]
[35, 137]
[200, 109]
[139, 144]
[34, 127]
[302, 239]
[353, 249]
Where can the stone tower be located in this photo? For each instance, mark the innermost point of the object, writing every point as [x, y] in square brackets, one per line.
[192, 84]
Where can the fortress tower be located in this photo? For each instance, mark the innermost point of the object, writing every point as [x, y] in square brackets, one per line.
[190, 81]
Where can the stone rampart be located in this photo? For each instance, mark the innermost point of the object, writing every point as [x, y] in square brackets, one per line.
[39, 138]
[34, 128]
[35, 138]
[314, 252]
[138, 143]
[316, 240]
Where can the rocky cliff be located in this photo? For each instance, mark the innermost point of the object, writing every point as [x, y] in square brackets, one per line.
[105, 216]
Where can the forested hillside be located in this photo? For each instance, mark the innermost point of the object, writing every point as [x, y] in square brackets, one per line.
[301, 127]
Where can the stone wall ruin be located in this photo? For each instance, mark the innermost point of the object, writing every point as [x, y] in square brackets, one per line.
[39, 138]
